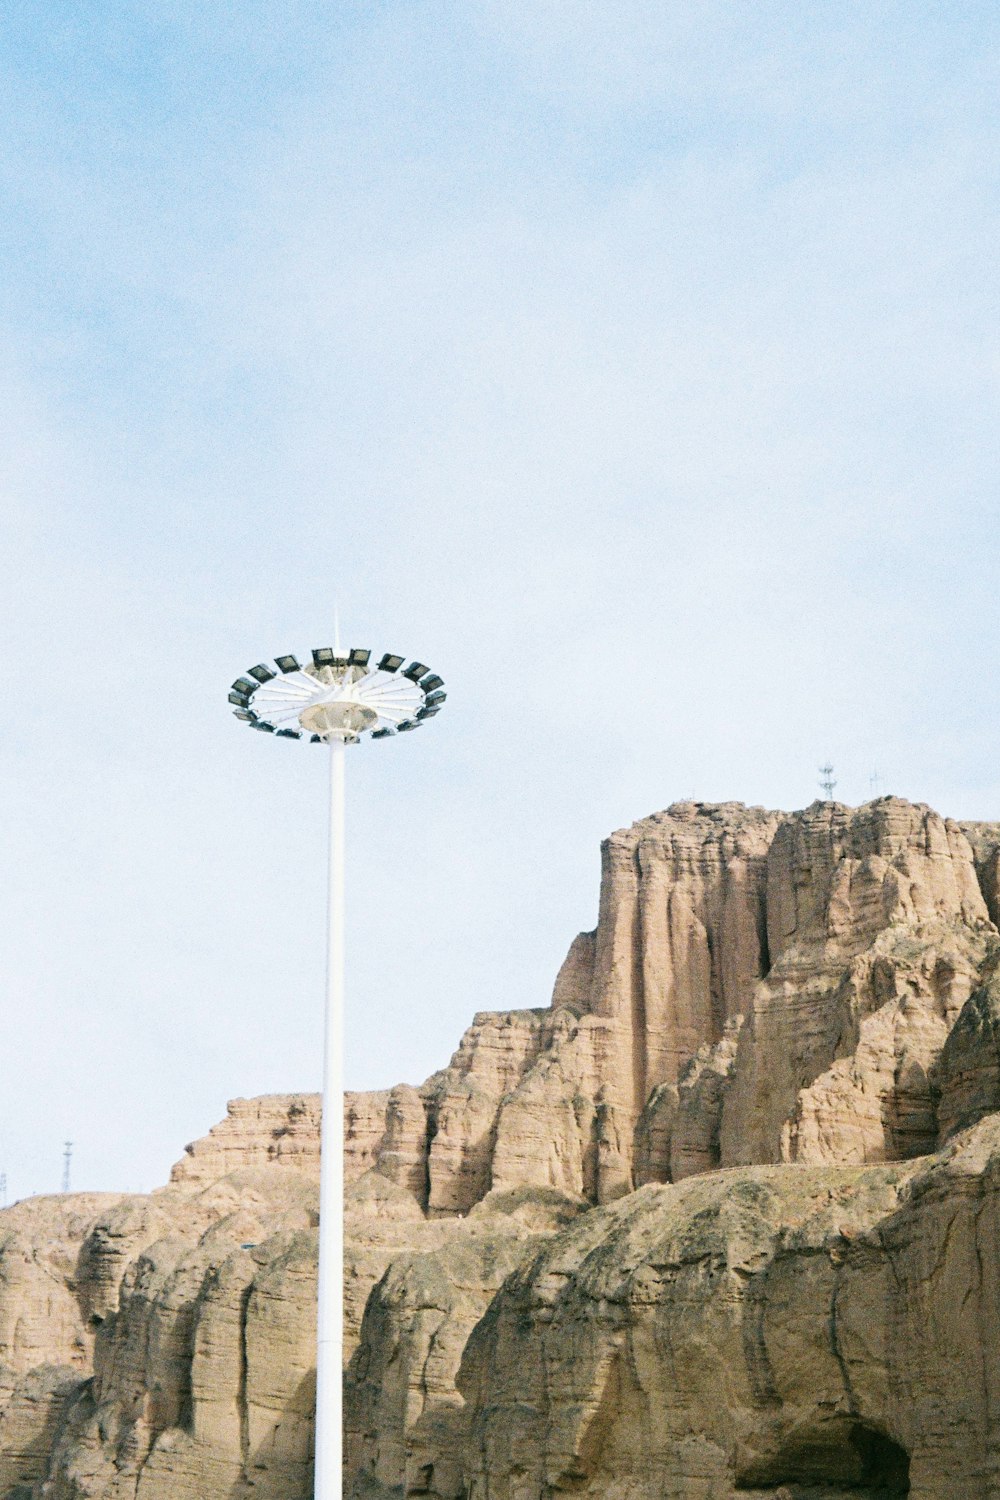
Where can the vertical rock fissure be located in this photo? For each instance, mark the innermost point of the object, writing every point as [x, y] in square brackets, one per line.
[431, 1112]
[838, 1353]
[755, 1355]
[242, 1396]
[760, 912]
[638, 996]
[716, 995]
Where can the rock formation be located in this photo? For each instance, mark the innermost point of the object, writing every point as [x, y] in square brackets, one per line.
[761, 987]
[551, 1285]
[769, 1331]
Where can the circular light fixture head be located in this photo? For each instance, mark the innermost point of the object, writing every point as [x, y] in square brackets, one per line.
[339, 695]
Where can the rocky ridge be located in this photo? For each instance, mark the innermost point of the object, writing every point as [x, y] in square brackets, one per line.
[760, 987]
[734, 1191]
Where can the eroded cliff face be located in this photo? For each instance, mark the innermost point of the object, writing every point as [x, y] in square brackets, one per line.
[808, 1000]
[769, 1331]
[760, 987]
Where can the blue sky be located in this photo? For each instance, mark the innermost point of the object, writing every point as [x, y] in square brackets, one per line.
[634, 365]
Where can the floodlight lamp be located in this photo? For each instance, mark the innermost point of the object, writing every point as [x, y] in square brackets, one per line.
[245, 685]
[431, 681]
[339, 697]
[427, 713]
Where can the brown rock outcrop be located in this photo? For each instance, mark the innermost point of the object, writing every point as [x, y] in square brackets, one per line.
[403, 1413]
[33, 1410]
[681, 934]
[278, 1129]
[41, 1319]
[808, 999]
[783, 1331]
[984, 841]
[967, 1076]
[198, 1372]
[877, 931]
[761, 986]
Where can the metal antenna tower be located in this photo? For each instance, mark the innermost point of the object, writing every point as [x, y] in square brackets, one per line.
[333, 700]
[67, 1159]
[826, 781]
[875, 782]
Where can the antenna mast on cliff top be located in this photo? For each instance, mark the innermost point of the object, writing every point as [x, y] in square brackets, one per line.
[333, 700]
[67, 1160]
[827, 782]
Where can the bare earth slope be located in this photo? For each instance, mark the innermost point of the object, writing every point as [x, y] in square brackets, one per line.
[719, 1222]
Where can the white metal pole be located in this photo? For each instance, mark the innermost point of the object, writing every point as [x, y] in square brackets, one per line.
[328, 1483]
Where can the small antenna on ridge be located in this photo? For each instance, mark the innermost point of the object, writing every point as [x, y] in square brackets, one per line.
[67, 1159]
[827, 782]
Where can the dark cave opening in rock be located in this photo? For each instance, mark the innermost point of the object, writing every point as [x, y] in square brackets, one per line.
[842, 1452]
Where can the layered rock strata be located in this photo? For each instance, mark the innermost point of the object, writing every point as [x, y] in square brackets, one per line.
[783, 1332]
[163, 1348]
[760, 987]
[807, 1000]
[276, 1130]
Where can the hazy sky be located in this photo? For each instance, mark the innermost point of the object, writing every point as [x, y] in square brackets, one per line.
[634, 365]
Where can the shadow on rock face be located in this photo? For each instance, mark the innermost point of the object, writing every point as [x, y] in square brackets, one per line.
[828, 1459]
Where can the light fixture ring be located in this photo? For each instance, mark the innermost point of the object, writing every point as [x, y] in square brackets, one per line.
[337, 696]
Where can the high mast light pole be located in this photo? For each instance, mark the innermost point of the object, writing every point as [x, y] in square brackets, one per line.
[334, 700]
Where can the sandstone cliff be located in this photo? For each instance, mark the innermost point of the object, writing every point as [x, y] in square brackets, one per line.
[807, 1001]
[760, 987]
[768, 1331]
